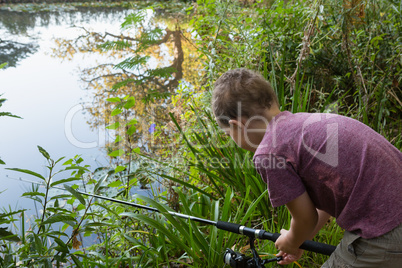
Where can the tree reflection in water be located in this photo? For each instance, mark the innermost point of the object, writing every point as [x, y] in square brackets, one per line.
[19, 34]
[12, 51]
[147, 60]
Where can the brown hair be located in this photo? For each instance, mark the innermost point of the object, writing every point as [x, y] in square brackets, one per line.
[241, 87]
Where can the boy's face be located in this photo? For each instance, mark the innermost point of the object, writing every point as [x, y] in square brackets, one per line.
[237, 134]
[244, 133]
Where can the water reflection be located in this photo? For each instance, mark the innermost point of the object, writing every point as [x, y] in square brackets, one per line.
[21, 23]
[148, 60]
[158, 55]
[19, 35]
[43, 90]
[12, 51]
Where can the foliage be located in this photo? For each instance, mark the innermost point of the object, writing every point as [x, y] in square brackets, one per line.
[42, 244]
[331, 56]
[156, 55]
[70, 5]
[346, 51]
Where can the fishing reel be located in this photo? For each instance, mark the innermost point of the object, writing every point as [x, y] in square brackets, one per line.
[238, 260]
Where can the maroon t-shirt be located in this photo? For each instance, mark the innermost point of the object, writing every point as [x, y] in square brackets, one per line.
[349, 170]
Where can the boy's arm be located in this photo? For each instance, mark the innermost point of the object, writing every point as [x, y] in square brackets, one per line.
[323, 218]
[302, 211]
[302, 227]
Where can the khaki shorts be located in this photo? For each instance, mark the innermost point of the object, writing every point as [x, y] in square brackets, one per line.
[353, 251]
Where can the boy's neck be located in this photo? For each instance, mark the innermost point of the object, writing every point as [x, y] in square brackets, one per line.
[269, 114]
[262, 125]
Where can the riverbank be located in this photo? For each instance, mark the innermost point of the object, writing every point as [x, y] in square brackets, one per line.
[51, 1]
[57, 5]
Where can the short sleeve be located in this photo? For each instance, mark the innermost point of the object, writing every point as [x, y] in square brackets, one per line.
[283, 182]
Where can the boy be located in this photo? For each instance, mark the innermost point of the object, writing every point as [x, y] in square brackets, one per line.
[318, 165]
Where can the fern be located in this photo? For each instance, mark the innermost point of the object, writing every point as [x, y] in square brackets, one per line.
[137, 61]
[164, 72]
[115, 45]
[126, 82]
[133, 20]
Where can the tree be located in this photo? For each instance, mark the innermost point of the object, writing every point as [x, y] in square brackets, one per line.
[157, 56]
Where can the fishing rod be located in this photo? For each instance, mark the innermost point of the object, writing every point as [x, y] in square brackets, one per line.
[232, 258]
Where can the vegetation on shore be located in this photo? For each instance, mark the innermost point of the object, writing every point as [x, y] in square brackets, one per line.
[321, 56]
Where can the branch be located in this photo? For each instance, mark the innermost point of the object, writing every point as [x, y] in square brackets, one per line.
[305, 50]
[123, 37]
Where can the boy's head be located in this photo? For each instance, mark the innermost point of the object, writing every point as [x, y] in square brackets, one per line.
[241, 93]
[243, 103]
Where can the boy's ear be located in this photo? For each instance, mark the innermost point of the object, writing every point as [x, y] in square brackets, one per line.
[237, 123]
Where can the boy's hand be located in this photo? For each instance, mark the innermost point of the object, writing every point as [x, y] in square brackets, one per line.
[288, 251]
[289, 258]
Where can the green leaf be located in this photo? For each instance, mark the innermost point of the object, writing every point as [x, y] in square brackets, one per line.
[116, 153]
[116, 99]
[162, 228]
[80, 207]
[57, 234]
[126, 82]
[131, 130]
[136, 150]
[61, 196]
[132, 62]
[252, 206]
[99, 183]
[79, 160]
[4, 216]
[38, 244]
[76, 168]
[64, 181]
[60, 218]
[130, 103]
[62, 246]
[118, 139]
[116, 111]
[68, 162]
[9, 236]
[58, 160]
[119, 168]
[33, 194]
[114, 184]
[114, 125]
[9, 114]
[61, 249]
[44, 153]
[75, 193]
[76, 261]
[133, 19]
[3, 65]
[28, 172]
[132, 122]
[98, 224]
[2, 162]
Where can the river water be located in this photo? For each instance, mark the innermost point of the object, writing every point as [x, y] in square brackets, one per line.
[47, 93]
